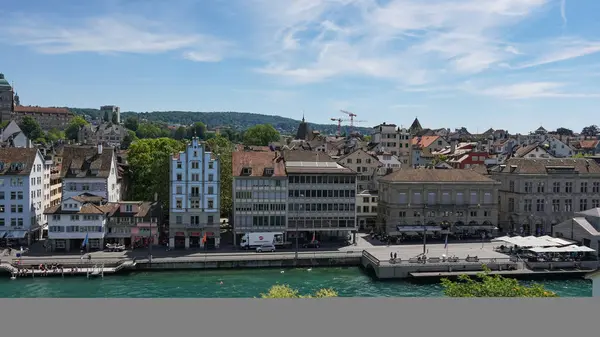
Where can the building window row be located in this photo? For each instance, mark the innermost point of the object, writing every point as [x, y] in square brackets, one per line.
[260, 221]
[14, 222]
[260, 207]
[326, 207]
[322, 179]
[321, 222]
[322, 193]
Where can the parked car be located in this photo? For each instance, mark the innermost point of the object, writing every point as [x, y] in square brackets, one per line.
[267, 247]
[312, 244]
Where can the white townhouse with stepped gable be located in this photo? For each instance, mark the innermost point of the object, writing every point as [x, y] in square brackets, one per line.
[22, 176]
[90, 169]
[195, 209]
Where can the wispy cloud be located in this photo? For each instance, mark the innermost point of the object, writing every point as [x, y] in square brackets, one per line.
[111, 35]
[525, 90]
[563, 12]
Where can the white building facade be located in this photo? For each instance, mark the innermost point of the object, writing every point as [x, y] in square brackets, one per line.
[22, 173]
[90, 169]
[74, 219]
[195, 198]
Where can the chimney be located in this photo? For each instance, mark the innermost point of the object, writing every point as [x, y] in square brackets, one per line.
[29, 145]
[453, 146]
[99, 148]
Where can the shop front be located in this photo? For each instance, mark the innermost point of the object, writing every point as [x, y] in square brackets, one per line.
[143, 236]
[179, 240]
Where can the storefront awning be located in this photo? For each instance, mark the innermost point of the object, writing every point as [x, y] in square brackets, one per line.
[16, 234]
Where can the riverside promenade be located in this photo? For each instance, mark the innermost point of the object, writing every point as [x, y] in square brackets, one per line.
[469, 258]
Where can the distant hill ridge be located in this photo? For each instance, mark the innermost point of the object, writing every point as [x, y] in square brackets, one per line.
[236, 120]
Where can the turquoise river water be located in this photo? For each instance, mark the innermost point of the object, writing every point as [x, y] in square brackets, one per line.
[348, 282]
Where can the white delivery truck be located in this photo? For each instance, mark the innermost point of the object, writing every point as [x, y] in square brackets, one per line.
[253, 240]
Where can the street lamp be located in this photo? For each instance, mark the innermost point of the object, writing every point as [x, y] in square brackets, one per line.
[424, 231]
[298, 216]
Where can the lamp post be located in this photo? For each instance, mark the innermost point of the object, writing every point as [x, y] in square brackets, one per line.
[298, 215]
[424, 231]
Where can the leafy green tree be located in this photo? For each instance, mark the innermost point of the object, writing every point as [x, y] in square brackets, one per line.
[590, 131]
[131, 123]
[564, 132]
[285, 291]
[55, 135]
[260, 135]
[73, 128]
[152, 130]
[151, 160]
[4, 124]
[223, 148]
[31, 128]
[198, 129]
[128, 139]
[579, 155]
[180, 133]
[487, 285]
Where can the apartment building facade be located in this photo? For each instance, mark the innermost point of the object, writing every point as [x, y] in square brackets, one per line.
[366, 210]
[75, 218]
[48, 118]
[536, 194]
[393, 139]
[260, 193]
[195, 198]
[90, 169]
[365, 165]
[22, 177]
[321, 197]
[133, 224]
[438, 201]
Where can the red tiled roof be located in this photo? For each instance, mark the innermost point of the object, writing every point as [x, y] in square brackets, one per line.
[425, 141]
[258, 161]
[37, 109]
[588, 144]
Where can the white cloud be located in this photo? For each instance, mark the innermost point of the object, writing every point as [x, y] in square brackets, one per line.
[114, 35]
[408, 41]
[525, 90]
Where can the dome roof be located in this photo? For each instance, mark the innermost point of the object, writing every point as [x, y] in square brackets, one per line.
[3, 81]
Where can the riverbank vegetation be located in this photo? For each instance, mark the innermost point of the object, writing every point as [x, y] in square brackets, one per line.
[285, 291]
[486, 285]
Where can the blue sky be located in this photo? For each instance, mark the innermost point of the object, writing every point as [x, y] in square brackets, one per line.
[512, 64]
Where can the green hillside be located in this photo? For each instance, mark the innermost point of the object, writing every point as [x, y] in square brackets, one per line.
[238, 121]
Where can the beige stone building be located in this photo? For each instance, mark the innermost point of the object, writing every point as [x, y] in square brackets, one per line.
[538, 193]
[394, 140]
[446, 201]
[365, 165]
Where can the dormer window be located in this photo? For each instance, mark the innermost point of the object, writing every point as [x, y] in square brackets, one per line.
[129, 208]
[269, 171]
[246, 171]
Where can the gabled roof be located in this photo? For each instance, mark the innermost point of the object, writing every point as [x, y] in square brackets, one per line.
[542, 166]
[145, 209]
[37, 109]
[424, 141]
[257, 161]
[436, 175]
[86, 161]
[87, 208]
[588, 144]
[415, 126]
[10, 130]
[525, 150]
[12, 155]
